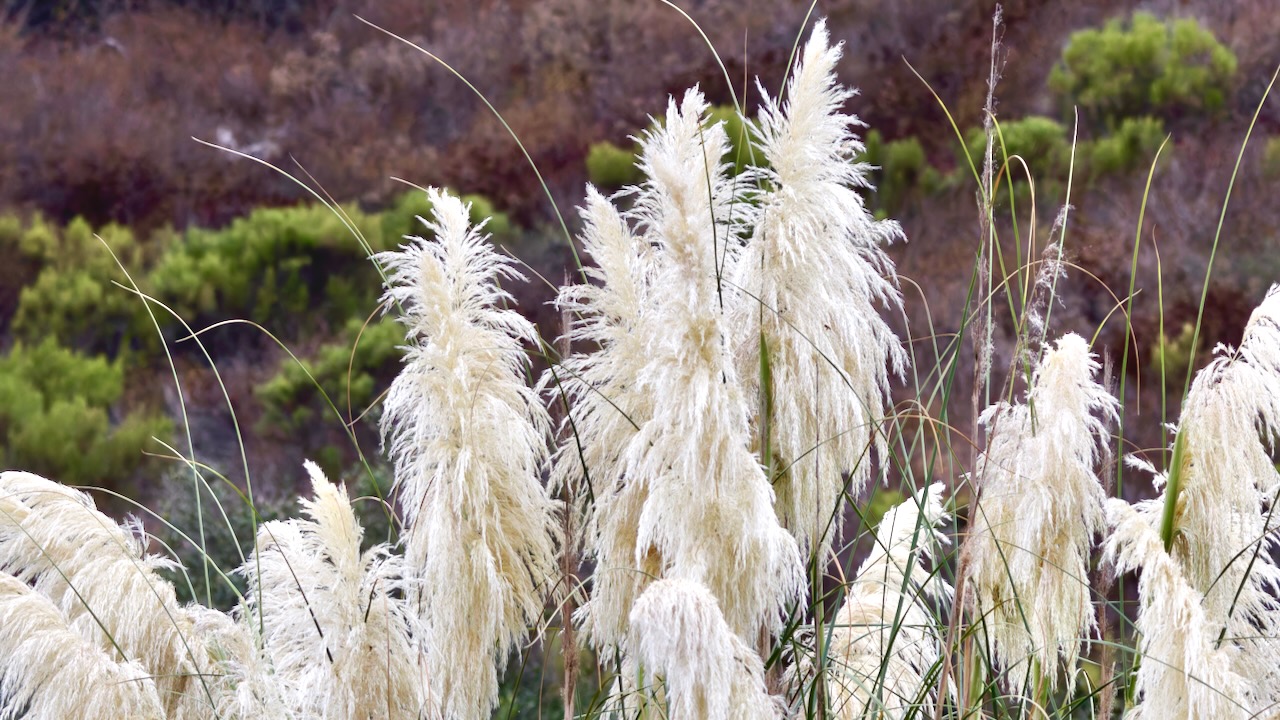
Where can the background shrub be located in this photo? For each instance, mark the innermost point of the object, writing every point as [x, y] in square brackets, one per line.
[610, 166]
[1143, 66]
[56, 419]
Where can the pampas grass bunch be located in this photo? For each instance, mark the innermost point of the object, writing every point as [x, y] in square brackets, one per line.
[722, 402]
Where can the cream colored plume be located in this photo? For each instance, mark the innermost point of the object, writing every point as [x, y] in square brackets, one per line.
[708, 672]
[1223, 543]
[468, 438]
[338, 633]
[606, 409]
[886, 643]
[1039, 508]
[1185, 672]
[99, 577]
[48, 671]
[693, 495]
[813, 272]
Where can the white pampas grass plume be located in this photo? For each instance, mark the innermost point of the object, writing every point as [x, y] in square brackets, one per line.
[886, 643]
[98, 575]
[468, 439]
[1184, 672]
[678, 632]
[708, 515]
[813, 272]
[49, 672]
[1039, 508]
[242, 680]
[606, 409]
[1228, 486]
[337, 631]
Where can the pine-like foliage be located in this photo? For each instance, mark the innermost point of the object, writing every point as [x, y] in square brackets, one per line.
[811, 276]
[1185, 671]
[468, 438]
[708, 672]
[687, 475]
[886, 642]
[1039, 509]
[337, 631]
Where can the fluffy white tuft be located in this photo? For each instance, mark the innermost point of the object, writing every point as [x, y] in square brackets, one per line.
[607, 409]
[49, 672]
[709, 673]
[1184, 673]
[100, 578]
[812, 274]
[1224, 536]
[1039, 509]
[886, 642]
[337, 631]
[701, 505]
[468, 439]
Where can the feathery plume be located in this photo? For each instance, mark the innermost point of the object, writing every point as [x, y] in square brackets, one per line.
[886, 643]
[48, 671]
[336, 629]
[1184, 673]
[468, 438]
[692, 454]
[678, 632]
[1039, 509]
[606, 409]
[98, 575]
[812, 273]
[1228, 487]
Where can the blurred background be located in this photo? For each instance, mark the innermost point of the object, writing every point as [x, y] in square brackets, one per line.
[100, 101]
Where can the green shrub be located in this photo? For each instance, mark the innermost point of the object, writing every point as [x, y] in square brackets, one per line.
[401, 219]
[900, 169]
[291, 398]
[741, 153]
[72, 298]
[1131, 146]
[273, 266]
[55, 416]
[1143, 66]
[1041, 142]
[610, 166]
[1173, 355]
[1271, 156]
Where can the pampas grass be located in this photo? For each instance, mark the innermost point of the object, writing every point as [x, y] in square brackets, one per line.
[468, 438]
[338, 633]
[723, 386]
[886, 641]
[811, 274]
[49, 670]
[708, 672]
[1038, 513]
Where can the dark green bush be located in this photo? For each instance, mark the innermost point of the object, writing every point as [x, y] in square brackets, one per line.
[901, 168]
[273, 266]
[291, 399]
[1133, 145]
[72, 298]
[741, 135]
[401, 219]
[1271, 156]
[1041, 142]
[55, 416]
[611, 167]
[1144, 66]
